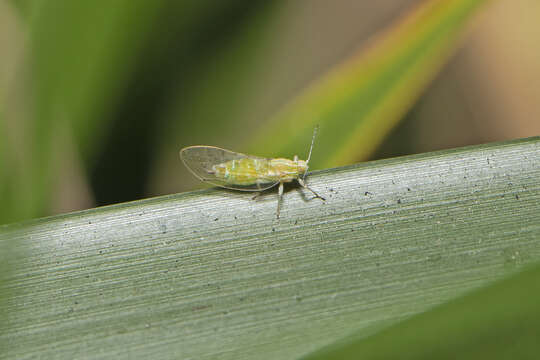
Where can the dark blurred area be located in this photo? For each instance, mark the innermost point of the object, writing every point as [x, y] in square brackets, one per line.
[208, 72]
[170, 59]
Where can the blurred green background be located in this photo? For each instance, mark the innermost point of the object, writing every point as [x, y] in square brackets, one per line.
[97, 98]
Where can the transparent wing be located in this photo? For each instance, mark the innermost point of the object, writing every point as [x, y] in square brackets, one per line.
[200, 160]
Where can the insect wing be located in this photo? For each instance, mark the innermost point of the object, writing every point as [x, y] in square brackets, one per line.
[201, 159]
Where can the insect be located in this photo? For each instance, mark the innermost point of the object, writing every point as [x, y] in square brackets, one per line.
[242, 172]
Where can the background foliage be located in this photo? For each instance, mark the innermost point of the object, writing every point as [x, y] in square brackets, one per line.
[96, 101]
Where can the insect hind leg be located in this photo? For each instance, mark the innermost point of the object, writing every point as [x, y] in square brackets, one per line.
[304, 185]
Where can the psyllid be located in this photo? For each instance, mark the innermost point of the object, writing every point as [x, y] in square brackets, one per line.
[232, 170]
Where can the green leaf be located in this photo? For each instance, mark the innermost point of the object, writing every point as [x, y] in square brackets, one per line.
[358, 103]
[214, 274]
[501, 321]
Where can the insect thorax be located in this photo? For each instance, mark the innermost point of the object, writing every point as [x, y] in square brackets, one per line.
[288, 170]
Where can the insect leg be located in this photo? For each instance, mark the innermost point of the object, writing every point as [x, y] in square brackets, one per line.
[256, 195]
[280, 197]
[303, 183]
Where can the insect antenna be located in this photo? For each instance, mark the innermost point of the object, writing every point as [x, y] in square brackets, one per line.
[311, 147]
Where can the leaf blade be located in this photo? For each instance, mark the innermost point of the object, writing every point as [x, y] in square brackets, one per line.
[212, 273]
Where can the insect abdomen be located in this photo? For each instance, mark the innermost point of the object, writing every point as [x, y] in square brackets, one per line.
[246, 171]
